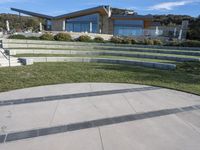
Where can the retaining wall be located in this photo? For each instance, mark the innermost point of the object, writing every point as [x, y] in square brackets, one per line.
[73, 52]
[9, 41]
[104, 60]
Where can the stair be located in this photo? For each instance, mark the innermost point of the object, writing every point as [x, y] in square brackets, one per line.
[53, 51]
[4, 62]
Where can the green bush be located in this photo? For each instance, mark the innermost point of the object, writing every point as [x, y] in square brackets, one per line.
[190, 43]
[84, 38]
[173, 43]
[47, 36]
[157, 42]
[17, 36]
[148, 42]
[134, 41]
[127, 40]
[116, 40]
[98, 39]
[123, 40]
[33, 38]
[63, 37]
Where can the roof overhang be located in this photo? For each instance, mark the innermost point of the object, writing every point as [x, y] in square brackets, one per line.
[32, 13]
[99, 9]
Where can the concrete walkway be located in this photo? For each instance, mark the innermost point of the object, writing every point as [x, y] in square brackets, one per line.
[99, 116]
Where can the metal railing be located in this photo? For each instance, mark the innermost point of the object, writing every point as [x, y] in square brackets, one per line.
[3, 53]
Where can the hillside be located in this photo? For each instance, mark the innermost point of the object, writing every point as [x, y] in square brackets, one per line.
[17, 22]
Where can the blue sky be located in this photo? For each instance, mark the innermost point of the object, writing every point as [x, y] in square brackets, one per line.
[57, 7]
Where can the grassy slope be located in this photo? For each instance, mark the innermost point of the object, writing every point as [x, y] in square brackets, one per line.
[186, 77]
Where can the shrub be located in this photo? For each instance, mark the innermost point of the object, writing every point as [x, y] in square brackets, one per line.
[33, 38]
[98, 39]
[17, 36]
[116, 40]
[84, 38]
[62, 37]
[157, 42]
[173, 43]
[191, 43]
[134, 41]
[47, 36]
[148, 42]
[127, 40]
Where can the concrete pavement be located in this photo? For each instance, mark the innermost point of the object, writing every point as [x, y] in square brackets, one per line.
[101, 116]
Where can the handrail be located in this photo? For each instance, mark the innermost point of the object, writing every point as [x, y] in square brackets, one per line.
[5, 56]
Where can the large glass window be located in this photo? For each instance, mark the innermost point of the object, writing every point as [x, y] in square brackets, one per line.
[48, 24]
[87, 23]
[128, 27]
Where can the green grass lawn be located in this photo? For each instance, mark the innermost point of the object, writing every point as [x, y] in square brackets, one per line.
[186, 77]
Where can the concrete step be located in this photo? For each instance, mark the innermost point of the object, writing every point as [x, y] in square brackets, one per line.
[56, 46]
[103, 48]
[13, 62]
[22, 53]
[6, 61]
[40, 42]
[150, 64]
[12, 65]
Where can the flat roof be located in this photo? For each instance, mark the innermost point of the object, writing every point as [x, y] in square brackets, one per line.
[32, 13]
[100, 9]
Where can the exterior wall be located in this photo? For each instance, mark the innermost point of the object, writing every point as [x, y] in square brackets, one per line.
[110, 27]
[131, 26]
[104, 24]
[57, 25]
[147, 24]
[89, 23]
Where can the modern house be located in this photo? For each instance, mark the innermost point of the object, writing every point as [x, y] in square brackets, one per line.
[101, 19]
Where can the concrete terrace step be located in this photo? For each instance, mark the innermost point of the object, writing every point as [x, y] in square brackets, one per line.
[96, 56]
[5, 62]
[158, 65]
[90, 46]
[105, 48]
[11, 65]
[38, 42]
[109, 53]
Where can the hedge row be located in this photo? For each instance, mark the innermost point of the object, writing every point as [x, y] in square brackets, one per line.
[129, 40]
[58, 37]
[188, 43]
[114, 39]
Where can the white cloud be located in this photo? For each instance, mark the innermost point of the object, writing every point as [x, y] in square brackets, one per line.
[171, 5]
